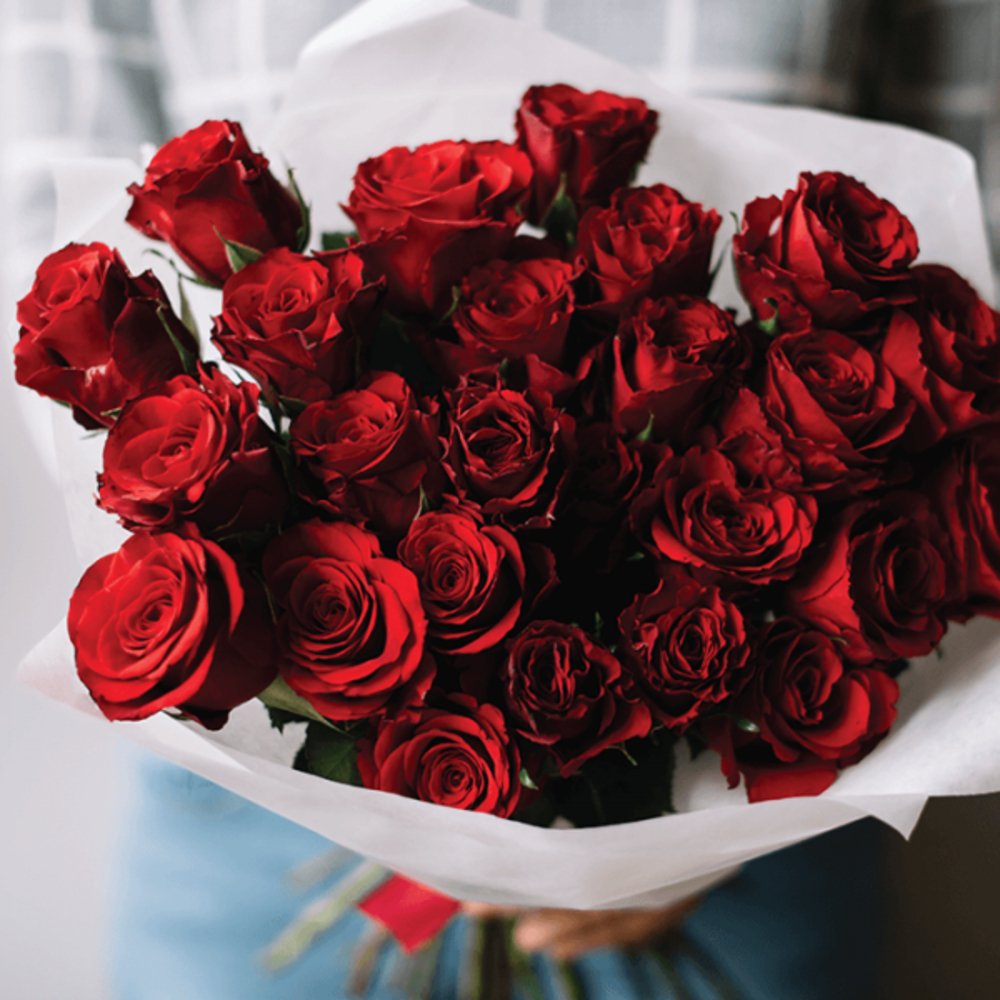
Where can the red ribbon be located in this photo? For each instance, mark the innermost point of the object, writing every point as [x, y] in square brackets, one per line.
[409, 911]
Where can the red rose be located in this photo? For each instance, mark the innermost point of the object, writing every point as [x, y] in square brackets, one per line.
[945, 348]
[650, 242]
[435, 212]
[350, 625]
[207, 185]
[701, 513]
[814, 715]
[829, 252]
[592, 143]
[685, 646]
[471, 579]
[194, 449]
[568, 694]
[369, 449]
[506, 309]
[295, 322]
[94, 336]
[457, 755]
[168, 621]
[838, 407]
[671, 358]
[879, 582]
[506, 451]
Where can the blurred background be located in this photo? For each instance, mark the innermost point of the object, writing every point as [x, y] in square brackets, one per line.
[101, 77]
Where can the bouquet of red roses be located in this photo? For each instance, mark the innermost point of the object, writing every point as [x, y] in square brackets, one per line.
[494, 507]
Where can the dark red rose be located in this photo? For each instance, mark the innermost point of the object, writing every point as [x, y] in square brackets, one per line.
[350, 625]
[208, 185]
[568, 694]
[700, 512]
[671, 358]
[945, 348]
[967, 494]
[815, 715]
[591, 143]
[471, 579]
[650, 242]
[369, 449]
[685, 646]
[437, 211]
[838, 407]
[193, 450]
[879, 581]
[458, 755]
[507, 309]
[506, 451]
[829, 252]
[295, 322]
[94, 336]
[168, 621]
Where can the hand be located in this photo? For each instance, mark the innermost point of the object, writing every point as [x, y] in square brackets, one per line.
[566, 934]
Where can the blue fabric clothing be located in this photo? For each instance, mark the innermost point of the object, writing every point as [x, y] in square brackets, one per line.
[204, 888]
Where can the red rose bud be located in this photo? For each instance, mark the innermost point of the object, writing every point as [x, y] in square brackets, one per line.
[829, 252]
[94, 336]
[813, 715]
[568, 694]
[945, 349]
[206, 186]
[295, 322]
[435, 212]
[671, 358]
[368, 451]
[506, 309]
[197, 450]
[168, 621]
[880, 582]
[700, 512]
[838, 406]
[459, 755]
[350, 624]
[593, 143]
[650, 242]
[471, 579]
[686, 648]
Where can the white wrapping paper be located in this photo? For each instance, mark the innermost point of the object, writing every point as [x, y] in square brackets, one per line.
[407, 71]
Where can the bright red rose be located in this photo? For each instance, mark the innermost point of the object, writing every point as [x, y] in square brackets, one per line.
[701, 513]
[458, 755]
[814, 714]
[368, 449]
[650, 242]
[168, 621]
[506, 309]
[471, 579]
[945, 348]
[295, 323]
[506, 451]
[568, 694]
[827, 253]
[193, 450]
[350, 625]
[838, 407]
[208, 185]
[94, 336]
[685, 646]
[435, 212]
[671, 358]
[880, 581]
[593, 143]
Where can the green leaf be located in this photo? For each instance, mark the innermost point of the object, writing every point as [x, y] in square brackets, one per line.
[305, 226]
[280, 696]
[770, 326]
[188, 360]
[337, 240]
[646, 434]
[187, 313]
[527, 780]
[330, 754]
[747, 725]
[239, 254]
[561, 220]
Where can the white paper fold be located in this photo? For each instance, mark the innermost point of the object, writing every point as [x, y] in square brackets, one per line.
[406, 71]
